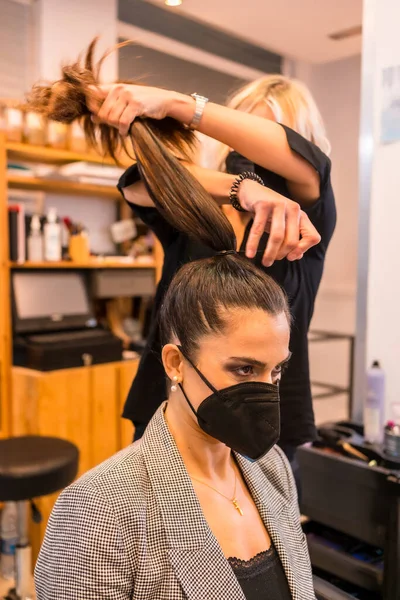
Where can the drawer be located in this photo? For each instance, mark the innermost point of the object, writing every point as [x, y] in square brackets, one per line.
[121, 283]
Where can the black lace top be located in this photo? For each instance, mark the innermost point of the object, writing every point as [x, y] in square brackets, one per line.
[262, 577]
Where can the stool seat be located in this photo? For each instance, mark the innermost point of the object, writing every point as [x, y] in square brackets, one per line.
[33, 466]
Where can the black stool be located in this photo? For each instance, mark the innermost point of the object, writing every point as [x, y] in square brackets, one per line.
[30, 467]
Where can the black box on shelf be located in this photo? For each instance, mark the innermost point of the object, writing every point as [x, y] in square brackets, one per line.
[54, 324]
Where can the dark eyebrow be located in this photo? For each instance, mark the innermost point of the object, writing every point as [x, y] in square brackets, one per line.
[258, 363]
[248, 360]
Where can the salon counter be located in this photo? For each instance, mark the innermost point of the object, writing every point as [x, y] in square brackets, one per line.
[82, 405]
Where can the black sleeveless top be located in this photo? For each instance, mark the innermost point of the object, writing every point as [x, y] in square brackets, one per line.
[300, 280]
[262, 577]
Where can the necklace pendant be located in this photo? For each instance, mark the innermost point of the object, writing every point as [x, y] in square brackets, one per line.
[236, 505]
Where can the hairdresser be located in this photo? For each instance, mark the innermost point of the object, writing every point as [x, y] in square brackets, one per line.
[284, 187]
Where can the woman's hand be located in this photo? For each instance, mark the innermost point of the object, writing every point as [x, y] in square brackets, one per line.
[291, 232]
[119, 104]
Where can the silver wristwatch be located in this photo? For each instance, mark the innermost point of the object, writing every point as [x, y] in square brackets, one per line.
[201, 102]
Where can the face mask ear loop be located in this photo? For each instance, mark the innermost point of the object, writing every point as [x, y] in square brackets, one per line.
[199, 373]
[187, 400]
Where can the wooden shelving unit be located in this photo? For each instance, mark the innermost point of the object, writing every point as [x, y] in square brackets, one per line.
[28, 152]
[94, 264]
[62, 186]
[10, 151]
[5, 308]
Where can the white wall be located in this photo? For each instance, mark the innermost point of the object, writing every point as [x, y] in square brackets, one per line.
[336, 88]
[62, 31]
[380, 207]
[15, 48]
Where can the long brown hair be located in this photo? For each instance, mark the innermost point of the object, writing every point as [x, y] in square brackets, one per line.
[179, 197]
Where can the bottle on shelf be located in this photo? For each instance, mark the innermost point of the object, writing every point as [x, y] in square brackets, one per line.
[57, 135]
[52, 237]
[374, 412]
[35, 241]
[11, 121]
[34, 129]
[9, 540]
[77, 139]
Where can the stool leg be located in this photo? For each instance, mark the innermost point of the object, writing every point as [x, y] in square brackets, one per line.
[24, 579]
[23, 554]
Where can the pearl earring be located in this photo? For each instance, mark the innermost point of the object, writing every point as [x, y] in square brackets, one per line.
[174, 387]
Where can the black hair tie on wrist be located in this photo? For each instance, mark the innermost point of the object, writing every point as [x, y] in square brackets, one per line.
[234, 200]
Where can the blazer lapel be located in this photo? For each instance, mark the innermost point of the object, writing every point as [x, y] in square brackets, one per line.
[272, 506]
[206, 573]
[194, 553]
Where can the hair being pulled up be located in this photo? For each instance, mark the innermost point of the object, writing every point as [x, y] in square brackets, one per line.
[178, 196]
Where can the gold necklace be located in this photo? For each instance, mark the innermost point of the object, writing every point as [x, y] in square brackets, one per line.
[233, 499]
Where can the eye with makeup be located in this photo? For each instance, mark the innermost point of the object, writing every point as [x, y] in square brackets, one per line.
[245, 371]
[252, 369]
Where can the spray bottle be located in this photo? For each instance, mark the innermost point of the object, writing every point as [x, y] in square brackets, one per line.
[52, 237]
[35, 241]
[374, 412]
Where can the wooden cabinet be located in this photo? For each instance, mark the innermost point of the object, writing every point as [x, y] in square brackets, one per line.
[81, 405]
[26, 152]
[5, 319]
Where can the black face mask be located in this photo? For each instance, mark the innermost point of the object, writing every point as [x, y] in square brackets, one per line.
[245, 417]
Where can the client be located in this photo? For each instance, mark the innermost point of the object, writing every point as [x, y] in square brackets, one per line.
[204, 506]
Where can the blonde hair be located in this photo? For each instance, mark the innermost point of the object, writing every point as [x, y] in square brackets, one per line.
[291, 103]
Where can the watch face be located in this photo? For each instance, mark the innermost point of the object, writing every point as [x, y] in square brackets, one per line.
[201, 102]
[200, 97]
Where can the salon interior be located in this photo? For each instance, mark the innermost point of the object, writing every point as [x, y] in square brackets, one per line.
[84, 274]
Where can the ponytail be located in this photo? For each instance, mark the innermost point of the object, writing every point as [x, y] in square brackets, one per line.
[178, 195]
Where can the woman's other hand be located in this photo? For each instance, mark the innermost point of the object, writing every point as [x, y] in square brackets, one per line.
[119, 104]
[291, 232]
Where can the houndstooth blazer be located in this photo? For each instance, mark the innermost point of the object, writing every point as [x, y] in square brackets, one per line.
[132, 528]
